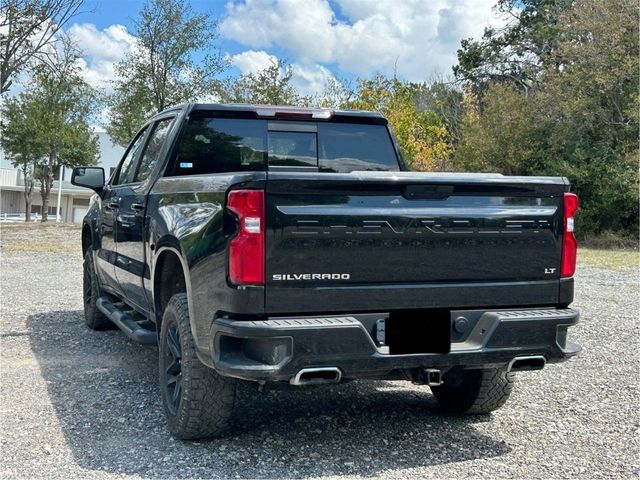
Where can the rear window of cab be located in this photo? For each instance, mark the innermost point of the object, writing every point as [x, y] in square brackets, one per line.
[210, 144]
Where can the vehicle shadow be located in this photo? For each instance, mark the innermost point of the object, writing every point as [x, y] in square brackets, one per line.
[103, 389]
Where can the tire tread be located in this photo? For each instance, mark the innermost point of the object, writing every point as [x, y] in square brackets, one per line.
[481, 392]
[206, 407]
[94, 318]
[495, 388]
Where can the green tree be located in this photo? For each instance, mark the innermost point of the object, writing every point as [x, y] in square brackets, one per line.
[517, 52]
[269, 86]
[27, 32]
[444, 98]
[162, 69]
[581, 121]
[336, 94]
[422, 136]
[505, 138]
[19, 122]
[50, 119]
[127, 108]
[592, 106]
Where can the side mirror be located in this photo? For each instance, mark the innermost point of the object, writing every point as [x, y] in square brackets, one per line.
[88, 177]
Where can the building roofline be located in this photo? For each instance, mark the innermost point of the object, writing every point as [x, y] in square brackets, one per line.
[76, 192]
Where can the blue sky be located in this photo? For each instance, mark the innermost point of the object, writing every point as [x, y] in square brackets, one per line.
[104, 13]
[321, 39]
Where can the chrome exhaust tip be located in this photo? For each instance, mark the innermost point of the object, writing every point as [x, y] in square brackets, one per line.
[317, 376]
[524, 363]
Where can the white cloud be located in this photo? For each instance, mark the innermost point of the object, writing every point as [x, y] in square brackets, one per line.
[302, 26]
[418, 37]
[308, 78]
[252, 61]
[112, 43]
[102, 49]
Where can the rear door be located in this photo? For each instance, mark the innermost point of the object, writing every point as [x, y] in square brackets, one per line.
[131, 267]
[110, 198]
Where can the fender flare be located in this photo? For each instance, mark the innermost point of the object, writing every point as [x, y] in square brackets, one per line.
[169, 247]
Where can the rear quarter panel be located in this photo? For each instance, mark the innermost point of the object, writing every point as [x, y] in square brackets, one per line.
[187, 215]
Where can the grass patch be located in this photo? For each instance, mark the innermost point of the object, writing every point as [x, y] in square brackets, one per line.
[38, 237]
[36, 248]
[609, 240]
[621, 260]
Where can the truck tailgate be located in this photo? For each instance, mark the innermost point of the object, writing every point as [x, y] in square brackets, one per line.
[339, 242]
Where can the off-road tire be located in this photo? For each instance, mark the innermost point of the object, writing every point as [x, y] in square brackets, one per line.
[93, 317]
[474, 392]
[205, 401]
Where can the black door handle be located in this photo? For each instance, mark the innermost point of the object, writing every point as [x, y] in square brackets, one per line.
[137, 207]
[114, 204]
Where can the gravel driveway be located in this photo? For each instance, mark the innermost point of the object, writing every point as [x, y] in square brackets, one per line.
[78, 403]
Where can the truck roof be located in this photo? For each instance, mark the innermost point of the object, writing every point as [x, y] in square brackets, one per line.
[285, 112]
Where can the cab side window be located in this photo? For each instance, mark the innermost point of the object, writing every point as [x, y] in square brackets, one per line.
[151, 154]
[125, 173]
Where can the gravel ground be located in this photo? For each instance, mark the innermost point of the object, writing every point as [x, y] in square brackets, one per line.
[81, 404]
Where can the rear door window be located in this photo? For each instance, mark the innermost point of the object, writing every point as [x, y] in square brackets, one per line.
[347, 147]
[219, 145]
[151, 154]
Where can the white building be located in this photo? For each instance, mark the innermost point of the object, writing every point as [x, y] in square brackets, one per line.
[74, 200]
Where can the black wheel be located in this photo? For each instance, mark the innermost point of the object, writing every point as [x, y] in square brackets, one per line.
[474, 392]
[93, 317]
[198, 403]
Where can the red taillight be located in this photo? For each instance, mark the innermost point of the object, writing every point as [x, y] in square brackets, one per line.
[246, 250]
[569, 243]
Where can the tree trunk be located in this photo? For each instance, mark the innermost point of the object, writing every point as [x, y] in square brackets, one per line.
[45, 189]
[28, 192]
[44, 193]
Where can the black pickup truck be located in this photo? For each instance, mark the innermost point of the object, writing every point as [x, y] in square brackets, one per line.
[273, 244]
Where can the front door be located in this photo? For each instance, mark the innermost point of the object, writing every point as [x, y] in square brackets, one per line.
[106, 254]
[132, 269]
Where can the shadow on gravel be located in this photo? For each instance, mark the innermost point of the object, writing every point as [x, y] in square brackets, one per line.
[103, 389]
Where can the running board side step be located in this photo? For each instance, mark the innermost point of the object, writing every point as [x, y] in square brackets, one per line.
[126, 323]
